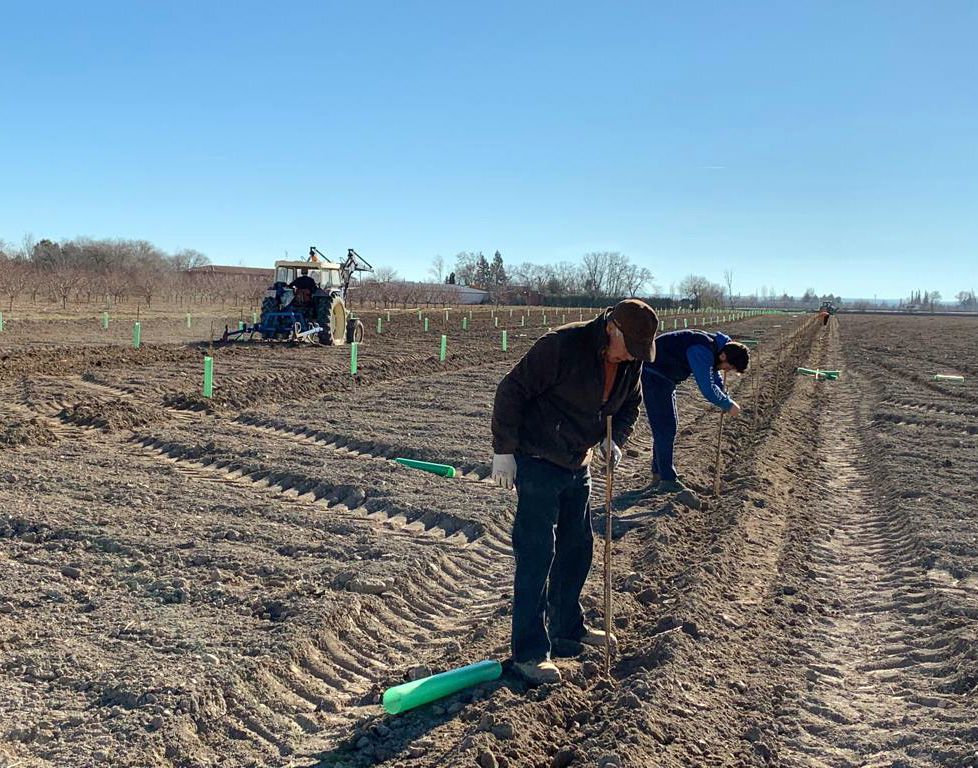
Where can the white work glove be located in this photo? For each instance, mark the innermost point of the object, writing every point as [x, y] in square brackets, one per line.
[615, 453]
[504, 470]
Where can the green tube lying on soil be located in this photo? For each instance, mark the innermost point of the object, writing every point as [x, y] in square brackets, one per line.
[947, 377]
[407, 696]
[445, 470]
[832, 375]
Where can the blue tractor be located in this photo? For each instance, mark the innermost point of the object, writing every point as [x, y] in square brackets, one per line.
[307, 302]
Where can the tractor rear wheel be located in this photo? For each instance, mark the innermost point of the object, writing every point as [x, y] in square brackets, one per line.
[331, 316]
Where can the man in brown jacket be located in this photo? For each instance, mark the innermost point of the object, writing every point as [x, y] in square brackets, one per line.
[549, 413]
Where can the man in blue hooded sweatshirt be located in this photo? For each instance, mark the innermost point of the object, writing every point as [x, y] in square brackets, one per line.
[679, 355]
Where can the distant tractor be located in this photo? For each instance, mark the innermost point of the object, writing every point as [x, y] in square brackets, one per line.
[308, 302]
[825, 311]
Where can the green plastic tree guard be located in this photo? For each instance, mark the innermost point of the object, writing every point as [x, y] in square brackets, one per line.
[353, 357]
[426, 325]
[505, 341]
[443, 351]
[1, 322]
[445, 470]
[380, 325]
[137, 334]
[937, 376]
[188, 319]
[105, 321]
[208, 389]
[820, 374]
[407, 696]
[465, 323]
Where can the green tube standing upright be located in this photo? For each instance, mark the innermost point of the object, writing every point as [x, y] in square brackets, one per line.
[208, 389]
[407, 696]
[1, 322]
[443, 351]
[105, 321]
[505, 341]
[353, 358]
[137, 334]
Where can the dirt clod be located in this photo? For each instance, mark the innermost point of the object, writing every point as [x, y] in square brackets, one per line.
[563, 758]
[487, 759]
[25, 432]
[503, 731]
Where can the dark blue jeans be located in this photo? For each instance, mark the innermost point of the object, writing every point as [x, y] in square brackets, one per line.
[552, 543]
[659, 395]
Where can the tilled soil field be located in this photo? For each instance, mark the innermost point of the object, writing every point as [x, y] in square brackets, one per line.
[234, 581]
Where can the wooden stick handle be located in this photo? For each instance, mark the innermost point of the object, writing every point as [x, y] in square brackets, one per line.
[609, 481]
[716, 472]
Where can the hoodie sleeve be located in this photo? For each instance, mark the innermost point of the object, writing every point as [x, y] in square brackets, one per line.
[534, 374]
[700, 359]
[624, 420]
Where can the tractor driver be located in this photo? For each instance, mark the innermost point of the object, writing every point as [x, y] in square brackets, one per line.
[304, 287]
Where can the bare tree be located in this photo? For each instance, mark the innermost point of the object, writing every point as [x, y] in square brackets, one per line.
[63, 278]
[14, 275]
[967, 299]
[635, 278]
[467, 267]
[437, 268]
[188, 258]
[700, 291]
[594, 272]
[728, 279]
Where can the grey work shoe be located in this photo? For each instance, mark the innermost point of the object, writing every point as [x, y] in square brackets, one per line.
[596, 637]
[639, 493]
[541, 672]
[670, 486]
[566, 648]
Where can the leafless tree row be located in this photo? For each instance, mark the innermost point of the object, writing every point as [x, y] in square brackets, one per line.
[113, 272]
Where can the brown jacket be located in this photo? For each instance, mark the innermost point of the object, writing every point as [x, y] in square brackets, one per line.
[550, 404]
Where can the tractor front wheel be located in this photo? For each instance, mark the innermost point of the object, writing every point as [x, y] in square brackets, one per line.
[354, 330]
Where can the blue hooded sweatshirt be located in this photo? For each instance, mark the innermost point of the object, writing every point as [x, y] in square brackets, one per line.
[680, 354]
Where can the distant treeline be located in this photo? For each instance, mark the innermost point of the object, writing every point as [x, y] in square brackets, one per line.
[113, 272]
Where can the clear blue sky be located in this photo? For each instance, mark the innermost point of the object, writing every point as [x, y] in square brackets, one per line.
[823, 144]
